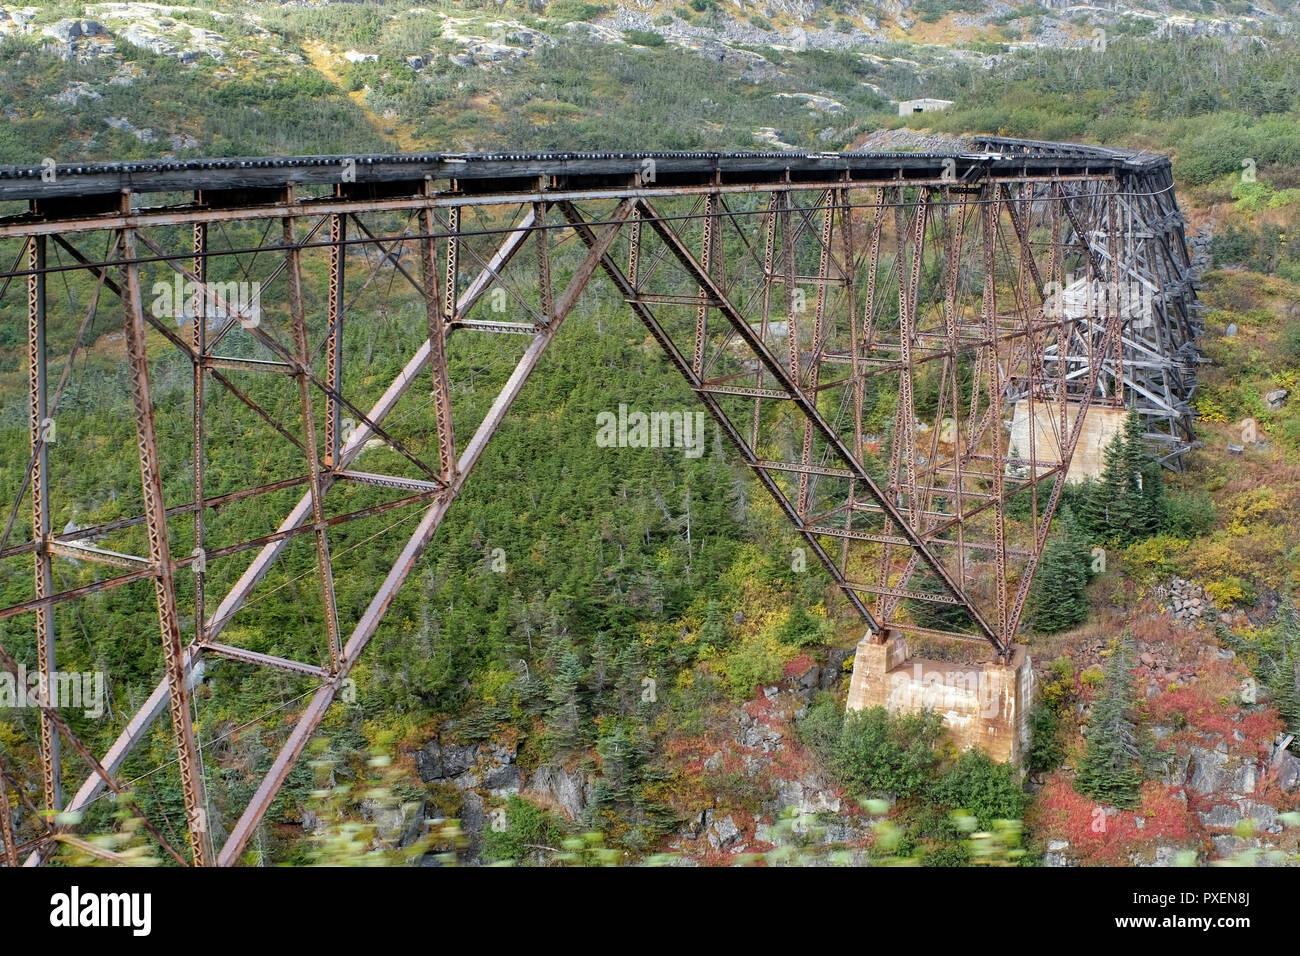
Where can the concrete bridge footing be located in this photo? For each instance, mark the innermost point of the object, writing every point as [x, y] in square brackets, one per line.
[983, 705]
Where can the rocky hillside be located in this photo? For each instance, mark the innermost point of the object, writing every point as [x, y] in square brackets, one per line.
[388, 62]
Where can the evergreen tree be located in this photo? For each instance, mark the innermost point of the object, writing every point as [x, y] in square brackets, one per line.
[601, 674]
[1057, 600]
[713, 633]
[1282, 669]
[620, 759]
[565, 715]
[1127, 504]
[630, 688]
[1111, 769]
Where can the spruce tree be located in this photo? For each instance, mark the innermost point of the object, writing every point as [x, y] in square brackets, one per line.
[1111, 769]
[1127, 503]
[565, 715]
[1282, 675]
[713, 633]
[1057, 600]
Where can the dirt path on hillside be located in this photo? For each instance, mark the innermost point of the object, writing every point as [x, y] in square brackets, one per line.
[325, 63]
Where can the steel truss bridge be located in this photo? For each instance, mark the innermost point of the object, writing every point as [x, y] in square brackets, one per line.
[859, 326]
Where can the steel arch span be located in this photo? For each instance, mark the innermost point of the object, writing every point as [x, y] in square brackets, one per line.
[798, 294]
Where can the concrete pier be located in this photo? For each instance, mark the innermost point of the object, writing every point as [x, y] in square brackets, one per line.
[983, 705]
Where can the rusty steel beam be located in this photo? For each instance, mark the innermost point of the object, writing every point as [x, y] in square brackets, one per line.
[7, 834]
[42, 431]
[302, 352]
[161, 563]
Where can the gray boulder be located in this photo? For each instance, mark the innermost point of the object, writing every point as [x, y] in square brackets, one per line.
[1264, 815]
[1224, 815]
[724, 833]
[1286, 767]
[402, 825]
[438, 761]
[65, 31]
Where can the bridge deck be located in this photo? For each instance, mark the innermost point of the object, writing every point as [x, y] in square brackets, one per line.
[508, 171]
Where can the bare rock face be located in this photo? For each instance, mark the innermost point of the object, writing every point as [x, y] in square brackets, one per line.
[399, 826]
[1210, 773]
[570, 791]
[723, 834]
[1285, 768]
[437, 761]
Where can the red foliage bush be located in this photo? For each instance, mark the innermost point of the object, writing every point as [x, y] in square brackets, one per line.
[1099, 837]
[799, 665]
[1195, 706]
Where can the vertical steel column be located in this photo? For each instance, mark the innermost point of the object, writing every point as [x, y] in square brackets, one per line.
[634, 248]
[546, 294]
[908, 333]
[1028, 271]
[855, 360]
[302, 353]
[788, 281]
[990, 316]
[7, 835]
[453, 265]
[898, 439]
[437, 332]
[815, 361]
[161, 561]
[706, 260]
[334, 342]
[953, 240]
[769, 266]
[41, 428]
[1114, 310]
[198, 341]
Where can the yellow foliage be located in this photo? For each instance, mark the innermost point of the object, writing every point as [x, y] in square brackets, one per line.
[1208, 410]
[1225, 592]
[489, 684]
[1251, 506]
[1216, 559]
[1155, 557]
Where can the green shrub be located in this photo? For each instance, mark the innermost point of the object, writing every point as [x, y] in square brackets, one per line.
[884, 754]
[1189, 514]
[643, 37]
[801, 628]
[756, 660]
[527, 826]
[1045, 750]
[1289, 341]
[568, 10]
[982, 787]
[872, 750]
[821, 725]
